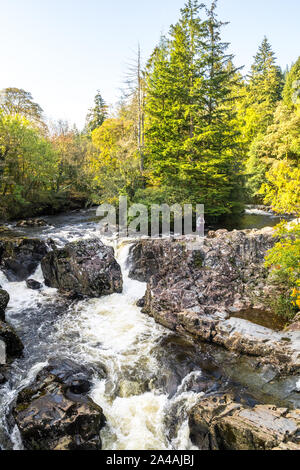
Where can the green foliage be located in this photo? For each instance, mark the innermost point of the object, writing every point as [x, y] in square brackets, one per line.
[284, 263]
[15, 101]
[113, 166]
[191, 132]
[97, 114]
[291, 91]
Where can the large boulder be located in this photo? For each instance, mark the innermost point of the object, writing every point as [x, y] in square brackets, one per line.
[13, 344]
[4, 299]
[220, 423]
[86, 267]
[20, 257]
[199, 292]
[56, 413]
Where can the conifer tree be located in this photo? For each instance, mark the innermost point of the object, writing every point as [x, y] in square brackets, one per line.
[264, 91]
[291, 91]
[191, 132]
[97, 114]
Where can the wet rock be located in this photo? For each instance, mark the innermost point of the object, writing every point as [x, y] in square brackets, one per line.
[4, 299]
[141, 302]
[195, 292]
[86, 267]
[2, 379]
[129, 388]
[34, 285]
[32, 223]
[14, 346]
[145, 260]
[220, 423]
[20, 257]
[55, 412]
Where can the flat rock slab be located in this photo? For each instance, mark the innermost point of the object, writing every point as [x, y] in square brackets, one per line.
[219, 423]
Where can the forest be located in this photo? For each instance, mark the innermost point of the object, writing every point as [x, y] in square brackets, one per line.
[190, 127]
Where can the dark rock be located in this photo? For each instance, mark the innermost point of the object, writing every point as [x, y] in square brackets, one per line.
[193, 291]
[2, 379]
[14, 346]
[51, 243]
[20, 257]
[145, 259]
[141, 303]
[4, 299]
[55, 413]
[220, 423]
[34, 285]
[86, 267]
[32, 223]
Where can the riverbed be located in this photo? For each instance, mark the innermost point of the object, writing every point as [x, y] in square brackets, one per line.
[153, 377]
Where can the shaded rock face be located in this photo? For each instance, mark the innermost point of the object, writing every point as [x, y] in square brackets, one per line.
[193, 292]
[4, 299]
[20, 257]
[14, 346]
[55, 412]
[220, 423]
[87, 267]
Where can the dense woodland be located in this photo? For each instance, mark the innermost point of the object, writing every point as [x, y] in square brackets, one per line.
[190, 128]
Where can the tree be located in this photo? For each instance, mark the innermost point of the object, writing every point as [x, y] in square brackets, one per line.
[113, 166]
[97, 114]
[191, 131]
[28, 160]
[71, 148]
[291, 91]
[15, 101]
[282, 192]
[264, 90]
[262, 95]
[281, 140]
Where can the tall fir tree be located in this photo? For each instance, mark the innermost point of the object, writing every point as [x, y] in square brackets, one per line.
[291, 91]
[264, 91]
[191, 132]
[98, 114]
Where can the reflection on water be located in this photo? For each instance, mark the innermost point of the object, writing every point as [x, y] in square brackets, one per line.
[262, 318]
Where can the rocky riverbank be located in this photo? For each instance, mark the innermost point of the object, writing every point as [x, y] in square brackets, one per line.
[199, 295]
[220, 423]
[202, 292]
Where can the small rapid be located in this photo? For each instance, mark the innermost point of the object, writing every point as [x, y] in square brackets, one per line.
[109, 333]
[152, 377]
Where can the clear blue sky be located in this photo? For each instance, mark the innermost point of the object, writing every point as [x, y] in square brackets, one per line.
[62, 51]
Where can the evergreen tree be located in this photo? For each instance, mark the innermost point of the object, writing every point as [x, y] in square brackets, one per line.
[97, 114]
[291, 91]
[191, 132]
[264, 91]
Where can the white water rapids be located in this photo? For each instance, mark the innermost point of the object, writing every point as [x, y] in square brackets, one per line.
[110, 331]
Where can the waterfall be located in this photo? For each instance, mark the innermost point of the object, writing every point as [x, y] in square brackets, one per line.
[110, 332]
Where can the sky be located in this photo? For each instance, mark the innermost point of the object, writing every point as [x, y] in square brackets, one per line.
[63, 51]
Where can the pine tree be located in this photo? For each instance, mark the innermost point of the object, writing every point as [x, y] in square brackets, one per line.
[291, 91]
[264, 91]
[97, 114]
[191, 131]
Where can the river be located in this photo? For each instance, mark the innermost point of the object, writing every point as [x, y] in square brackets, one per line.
[153, 377]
